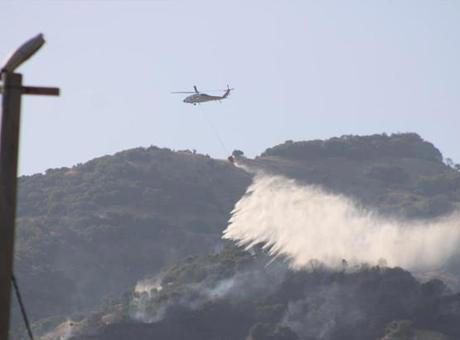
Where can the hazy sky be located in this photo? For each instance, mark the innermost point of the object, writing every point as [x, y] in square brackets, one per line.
[302, 70]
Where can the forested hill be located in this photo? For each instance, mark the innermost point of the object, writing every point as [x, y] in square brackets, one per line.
[96, 228]
[405, 145]
[234, 294]
[401, 174]
[92, 231]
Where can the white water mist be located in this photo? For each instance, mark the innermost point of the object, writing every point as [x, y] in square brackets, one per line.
[305, 223]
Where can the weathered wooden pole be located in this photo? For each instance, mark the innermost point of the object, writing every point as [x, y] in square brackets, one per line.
[9, 141]
[12, 90]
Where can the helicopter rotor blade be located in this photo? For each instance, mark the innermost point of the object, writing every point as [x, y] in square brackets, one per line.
[214, 90]
[220, 90]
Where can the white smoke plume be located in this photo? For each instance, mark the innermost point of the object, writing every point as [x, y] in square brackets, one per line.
[143, 306]
[144, 292]
[305, 223]
[151, 304]
[64, 331]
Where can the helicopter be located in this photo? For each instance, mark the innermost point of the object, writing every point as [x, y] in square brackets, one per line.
[199, 97]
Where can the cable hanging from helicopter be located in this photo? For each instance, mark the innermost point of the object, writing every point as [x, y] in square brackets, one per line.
[198, 97]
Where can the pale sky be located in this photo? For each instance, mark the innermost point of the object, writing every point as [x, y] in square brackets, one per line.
[301, 69]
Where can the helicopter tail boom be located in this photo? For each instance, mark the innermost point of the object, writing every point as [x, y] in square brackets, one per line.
[227, 92]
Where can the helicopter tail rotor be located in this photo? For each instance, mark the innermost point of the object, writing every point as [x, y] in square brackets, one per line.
[227, 91]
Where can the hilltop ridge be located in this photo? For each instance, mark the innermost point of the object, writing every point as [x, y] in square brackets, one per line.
[378, 146]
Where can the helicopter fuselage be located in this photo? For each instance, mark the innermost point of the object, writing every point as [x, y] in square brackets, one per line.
[201, 98]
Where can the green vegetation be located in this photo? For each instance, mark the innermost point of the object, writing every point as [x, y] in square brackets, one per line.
[95, 229]
[239, 296]
[400, 175]
[87, 234]
[403, 145]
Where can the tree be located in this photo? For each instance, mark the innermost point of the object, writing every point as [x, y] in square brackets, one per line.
[238, 153]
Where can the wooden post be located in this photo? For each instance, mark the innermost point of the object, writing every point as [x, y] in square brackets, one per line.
[12, 90]
[9, 144]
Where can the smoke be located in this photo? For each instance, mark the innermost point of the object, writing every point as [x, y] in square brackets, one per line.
[323, 311]
[148, 305]
[305, 223]
[64, 331]
[148, 285]
[144, 292]
[153, 302]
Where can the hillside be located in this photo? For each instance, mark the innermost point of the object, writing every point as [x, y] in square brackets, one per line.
[237, 295]
[401, 175]
[96, 228]
[87, 234]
